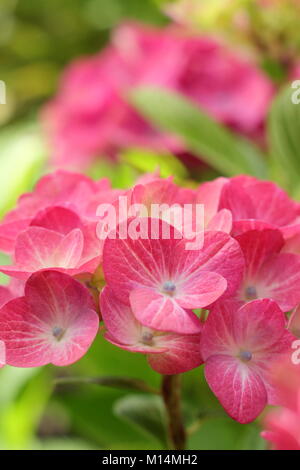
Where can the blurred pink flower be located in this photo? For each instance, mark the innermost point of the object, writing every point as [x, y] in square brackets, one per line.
[90, 115]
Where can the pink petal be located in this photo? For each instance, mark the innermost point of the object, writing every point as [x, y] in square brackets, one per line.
[279, 279]
[168, 353]
[241, 226]
[38, 248]
[2, 354]
[272, 204]
[5, 295]
[9, 232]
[240, 390]
[217, 336]
[258, 325]
[119, 319]
[58, 219]
[237, 200]
[161, 312]
[222, 254]
[222, 221]
[257, 246]
[200, 289]
[209, 194]
[183, 354]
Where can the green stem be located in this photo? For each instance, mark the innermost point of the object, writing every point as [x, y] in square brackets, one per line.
[171, 393]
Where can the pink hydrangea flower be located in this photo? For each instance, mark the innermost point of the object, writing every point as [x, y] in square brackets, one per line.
[62, 189]
[250, 199]
[268, 272]
[160, 279]
[167, 352]
[239, 346]
[209, 194]
[283, 425]
[56, 238]
[55, 322]
[89, 117]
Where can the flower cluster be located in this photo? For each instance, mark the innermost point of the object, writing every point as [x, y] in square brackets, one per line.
[91, 116]
[224, 304]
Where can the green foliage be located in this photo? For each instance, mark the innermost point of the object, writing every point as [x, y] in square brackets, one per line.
[146, 413]
[208, 140]
[21, 159]
[147, 162]
[284, 141]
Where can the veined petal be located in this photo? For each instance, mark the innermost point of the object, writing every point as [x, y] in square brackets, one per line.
[240, 390]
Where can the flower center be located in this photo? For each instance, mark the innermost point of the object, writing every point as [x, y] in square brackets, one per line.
[245, 356]
[169, 287]
[58, 332]
[251, 293]
[147, 337]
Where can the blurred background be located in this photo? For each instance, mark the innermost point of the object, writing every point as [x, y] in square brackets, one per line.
[220, 126]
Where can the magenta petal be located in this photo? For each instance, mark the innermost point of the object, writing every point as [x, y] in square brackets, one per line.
[240, 390]
[241, 226]
[161, 312]
[5, 295]
[258, 325]
[279, 279]
[183, 354]
[119, 319]
[217, 335]
[258, 246]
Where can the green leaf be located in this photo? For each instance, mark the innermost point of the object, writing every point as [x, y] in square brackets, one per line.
[284, 141]
[208, 140]
[225, 434]
[121, 175]
[144, 412]
[22, 400]
[147, 162]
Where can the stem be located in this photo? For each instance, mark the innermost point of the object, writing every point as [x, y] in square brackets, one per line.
[171, 393]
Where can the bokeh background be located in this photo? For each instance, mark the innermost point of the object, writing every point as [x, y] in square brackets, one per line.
[37, 40]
